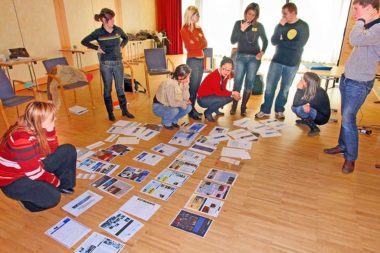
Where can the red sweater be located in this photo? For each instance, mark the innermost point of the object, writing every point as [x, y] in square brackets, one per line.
[211, 86]
[21, 157]
[194, 41]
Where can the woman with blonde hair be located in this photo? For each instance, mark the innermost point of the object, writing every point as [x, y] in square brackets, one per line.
[34, 170]
[311, 103]
[195, 41]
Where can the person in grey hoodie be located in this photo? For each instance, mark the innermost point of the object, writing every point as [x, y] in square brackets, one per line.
[358, 78]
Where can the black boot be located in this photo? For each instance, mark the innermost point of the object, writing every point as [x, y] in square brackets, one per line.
[244, 101]
[123, 107]
[193, 113]
[233, 107]
[109, 107]
[314, 130]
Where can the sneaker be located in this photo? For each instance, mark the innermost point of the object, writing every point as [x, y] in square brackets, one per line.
[314, 130]
[219, 113]
[333, 151]
[209, 118]
[261, 115]
[67, 191]
[301, 122]
[169, 127]
[279, 115]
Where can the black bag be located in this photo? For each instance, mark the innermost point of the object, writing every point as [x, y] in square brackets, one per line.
[128, 85]
[258, 85]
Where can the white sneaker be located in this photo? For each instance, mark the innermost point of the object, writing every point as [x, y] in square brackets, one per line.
[261, 115]
[279, 115]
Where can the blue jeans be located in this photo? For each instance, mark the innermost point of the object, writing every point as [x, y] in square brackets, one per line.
[170, 115]
[246, 65]
[298, 110]
[112, 70]
[213, 103]
[353, 94]
[196, 65]
[275, 72]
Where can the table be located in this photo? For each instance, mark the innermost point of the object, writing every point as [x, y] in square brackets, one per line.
[7, 65]
[328, 75]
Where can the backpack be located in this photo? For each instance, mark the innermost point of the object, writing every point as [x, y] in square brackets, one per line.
[128, 85]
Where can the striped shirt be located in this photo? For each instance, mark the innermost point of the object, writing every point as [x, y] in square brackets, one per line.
[21, 157]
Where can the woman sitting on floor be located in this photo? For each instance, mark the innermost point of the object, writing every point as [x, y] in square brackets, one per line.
[213, 94]
[172, 99]
[311, 103]
[34, 170]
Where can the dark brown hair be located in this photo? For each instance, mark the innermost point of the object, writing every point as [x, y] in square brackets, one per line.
[226, 60]
[105, 13]
[291, 7]
[181, 71]
[255, 7]
[364, 3]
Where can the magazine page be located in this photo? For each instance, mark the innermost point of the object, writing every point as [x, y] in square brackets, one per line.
[196, 127]
[98, 243]
[183, 166]
[134, 174]
[112, 186]
[119, 149]
[242, 144]
[191, 156]
[235, 153]
[82, 203]
[183, 138]
[121, 226]
[221, 176]
[104, 155]
[148, 134]
[204, 205]
[91, 165]
[201, 148]
[172, 177]
[148, 158]
[218, 130]
[158, 190]
[213, 189]
[165, 149]
[207, 141]
[68, 232]
[191, 223]
[139, 207]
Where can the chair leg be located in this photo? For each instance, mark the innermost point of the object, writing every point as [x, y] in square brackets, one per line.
[147, 80]
[4, 116]
[64, 101]
[91, 96]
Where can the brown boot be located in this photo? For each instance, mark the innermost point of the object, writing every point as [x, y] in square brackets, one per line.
[348, 166]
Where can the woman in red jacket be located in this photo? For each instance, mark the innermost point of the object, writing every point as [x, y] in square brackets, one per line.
[195, 41]
[33, 169]
[213, 93]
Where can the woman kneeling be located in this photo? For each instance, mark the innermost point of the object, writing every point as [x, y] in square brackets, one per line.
[311, 103]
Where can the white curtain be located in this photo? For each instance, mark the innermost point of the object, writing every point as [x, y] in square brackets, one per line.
[326, 19]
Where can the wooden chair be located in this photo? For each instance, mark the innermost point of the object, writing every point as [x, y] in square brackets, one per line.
[50, 65]
[8, 98]
[156, 63]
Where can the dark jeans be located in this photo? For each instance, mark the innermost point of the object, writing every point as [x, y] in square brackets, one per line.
[196, 65]
[213, 103]
[246, 65]
[353, 94]
[276, 72]
[37, 195]
[112, 70]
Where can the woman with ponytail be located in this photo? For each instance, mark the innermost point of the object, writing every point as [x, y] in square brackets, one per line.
[311, 103]
[109, 47]
[172, 99]
[34, 170]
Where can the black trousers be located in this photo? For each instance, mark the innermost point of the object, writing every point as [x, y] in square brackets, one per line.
[39, 195]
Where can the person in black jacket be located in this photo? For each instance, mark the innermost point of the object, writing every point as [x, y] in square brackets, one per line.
[109, 47]
[311, 103]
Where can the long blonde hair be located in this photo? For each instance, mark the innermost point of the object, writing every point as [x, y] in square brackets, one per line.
[190, 11]
[35, 114]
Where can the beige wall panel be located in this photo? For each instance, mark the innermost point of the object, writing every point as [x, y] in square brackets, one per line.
[9, 33]
[39, 30]
[138, 15]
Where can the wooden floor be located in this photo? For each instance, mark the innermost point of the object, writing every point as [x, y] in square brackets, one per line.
[290, 197]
